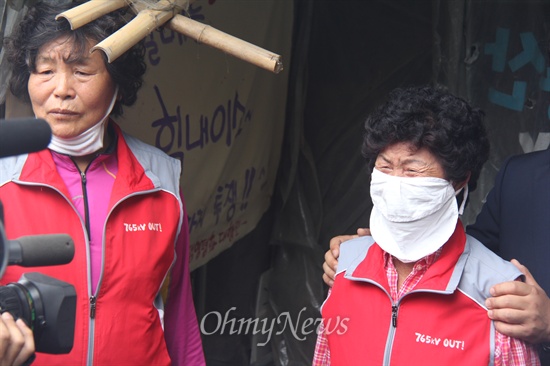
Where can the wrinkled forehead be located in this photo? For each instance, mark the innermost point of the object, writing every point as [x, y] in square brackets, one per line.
[407, 152]
[68, 48]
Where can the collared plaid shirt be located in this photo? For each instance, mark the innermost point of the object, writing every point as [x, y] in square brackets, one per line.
[508, 351]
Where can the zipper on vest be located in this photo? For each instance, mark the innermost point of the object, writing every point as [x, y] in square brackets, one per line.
[394, 315]
[92, 306]
[85, 197]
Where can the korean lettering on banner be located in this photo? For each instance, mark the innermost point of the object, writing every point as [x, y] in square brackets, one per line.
[225, 127]
[516, 98]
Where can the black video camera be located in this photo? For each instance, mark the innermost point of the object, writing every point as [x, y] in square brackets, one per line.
[47, 305]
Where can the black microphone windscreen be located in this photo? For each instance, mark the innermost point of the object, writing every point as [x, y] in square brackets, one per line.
[23, 135]
[45, 250]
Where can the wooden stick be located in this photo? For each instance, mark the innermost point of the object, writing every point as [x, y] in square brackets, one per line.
[243, 50]
[181, 4]
[89, 11]
[149, 19]
[144, 22]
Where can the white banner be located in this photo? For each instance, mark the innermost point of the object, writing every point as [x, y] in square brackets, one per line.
[222, 117]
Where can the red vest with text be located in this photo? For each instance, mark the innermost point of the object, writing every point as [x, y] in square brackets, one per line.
[443, 321]
[144, 218]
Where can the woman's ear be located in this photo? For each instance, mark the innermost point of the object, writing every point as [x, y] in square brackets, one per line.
[460, 185]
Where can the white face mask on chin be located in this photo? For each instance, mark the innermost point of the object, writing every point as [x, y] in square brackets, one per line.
[412, 217]
[88, 142]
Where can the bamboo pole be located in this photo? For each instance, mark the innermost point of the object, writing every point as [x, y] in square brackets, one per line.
[89, 11]
[164, 13]
[234, 46]
[144, 22]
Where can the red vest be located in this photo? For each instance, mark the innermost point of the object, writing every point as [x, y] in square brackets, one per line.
[436, 324]
[139, 241]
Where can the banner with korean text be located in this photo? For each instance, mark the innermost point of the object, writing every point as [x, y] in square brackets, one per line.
[221, 116]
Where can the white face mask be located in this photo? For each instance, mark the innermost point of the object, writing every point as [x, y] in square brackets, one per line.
[88, 142]
[412, 217]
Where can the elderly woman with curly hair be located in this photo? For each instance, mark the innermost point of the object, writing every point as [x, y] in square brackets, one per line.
[117, 197]
[413, 293]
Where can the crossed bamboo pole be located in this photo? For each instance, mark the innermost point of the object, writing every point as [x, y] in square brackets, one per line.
[165, 12]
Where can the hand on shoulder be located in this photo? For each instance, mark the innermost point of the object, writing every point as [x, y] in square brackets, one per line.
[521, 309]
[331, 256]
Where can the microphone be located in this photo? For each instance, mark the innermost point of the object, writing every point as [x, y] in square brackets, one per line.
[41, 250]
[23, 135]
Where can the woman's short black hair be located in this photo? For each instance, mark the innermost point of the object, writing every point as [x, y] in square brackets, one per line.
[39, 27]
[432, 118]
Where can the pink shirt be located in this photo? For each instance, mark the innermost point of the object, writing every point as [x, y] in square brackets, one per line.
[98, 182]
